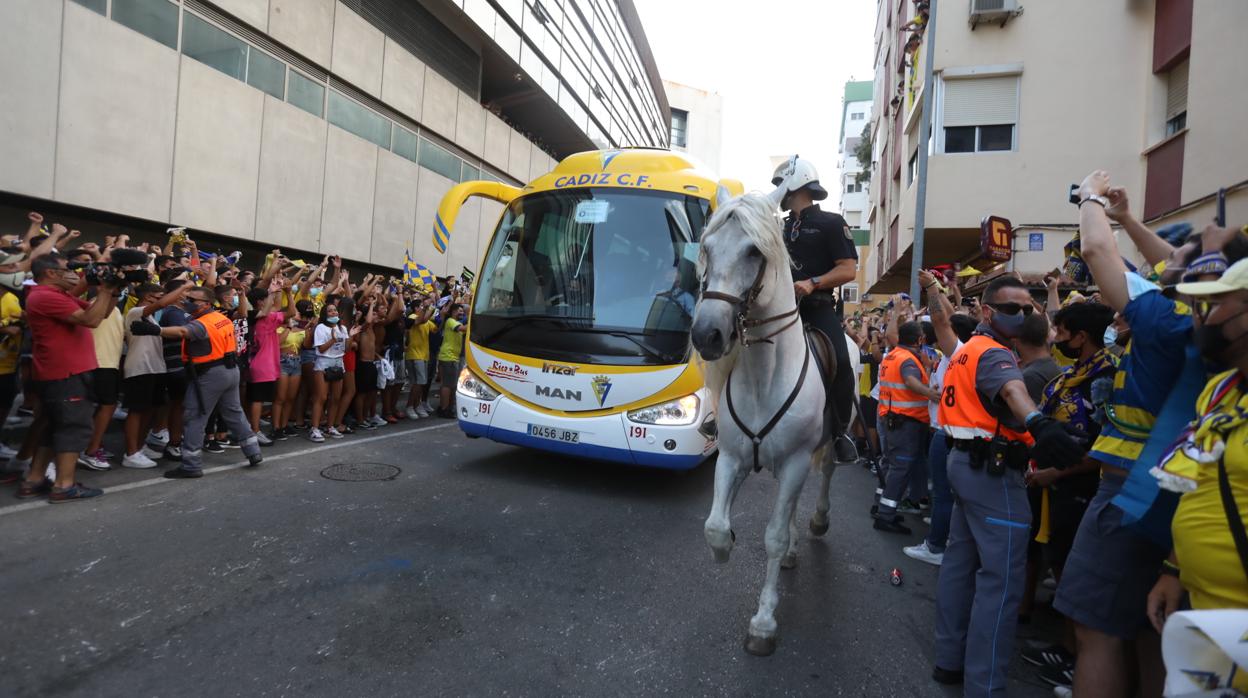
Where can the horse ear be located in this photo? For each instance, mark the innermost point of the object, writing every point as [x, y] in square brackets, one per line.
[777, 196]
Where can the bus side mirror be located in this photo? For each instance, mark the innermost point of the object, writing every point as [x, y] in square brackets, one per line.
[453, 200]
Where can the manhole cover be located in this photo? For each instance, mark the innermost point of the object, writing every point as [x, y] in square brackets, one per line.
[360, 472]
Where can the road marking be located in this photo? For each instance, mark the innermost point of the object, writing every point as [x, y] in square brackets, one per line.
[321, 448]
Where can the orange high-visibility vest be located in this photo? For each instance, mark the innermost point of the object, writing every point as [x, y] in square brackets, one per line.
[895, 397]
[221, 340]
[961, 414]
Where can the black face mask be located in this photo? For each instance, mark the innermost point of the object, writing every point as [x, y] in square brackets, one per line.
[1212, 342]
[1067, 350]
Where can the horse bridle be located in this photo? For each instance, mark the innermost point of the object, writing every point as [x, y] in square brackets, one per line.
[742, 321]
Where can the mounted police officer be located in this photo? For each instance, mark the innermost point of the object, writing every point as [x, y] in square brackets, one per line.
[824, 258]
[209, 350]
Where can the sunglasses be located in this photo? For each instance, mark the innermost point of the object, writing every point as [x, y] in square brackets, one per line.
[1011, 308]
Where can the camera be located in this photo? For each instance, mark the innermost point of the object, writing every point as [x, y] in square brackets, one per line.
[1073, 196]
[126, 267]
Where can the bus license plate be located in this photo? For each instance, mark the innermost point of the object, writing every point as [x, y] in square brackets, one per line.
[555, 434]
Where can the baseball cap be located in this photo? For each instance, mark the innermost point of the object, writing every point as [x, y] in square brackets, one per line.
[1235, 278]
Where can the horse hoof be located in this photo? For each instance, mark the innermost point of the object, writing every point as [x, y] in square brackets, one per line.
[789, 561]
[760, 646]
[721, 555]
[818, 528]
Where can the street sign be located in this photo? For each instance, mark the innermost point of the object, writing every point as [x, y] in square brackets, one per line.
[996, 238]
[1035, 242]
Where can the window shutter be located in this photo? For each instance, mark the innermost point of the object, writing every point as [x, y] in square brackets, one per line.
[1176, 91]
[981, 101]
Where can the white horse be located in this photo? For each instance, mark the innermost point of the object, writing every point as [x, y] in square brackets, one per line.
[771, 403]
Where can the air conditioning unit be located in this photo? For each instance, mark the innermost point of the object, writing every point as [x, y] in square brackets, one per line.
[993, 10]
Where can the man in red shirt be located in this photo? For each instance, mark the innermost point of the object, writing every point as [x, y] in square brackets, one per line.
[63, 357]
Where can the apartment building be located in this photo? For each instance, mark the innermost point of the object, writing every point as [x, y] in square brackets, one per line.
[321, 126]
[697, 122]
[856, 104]
[1027, 103]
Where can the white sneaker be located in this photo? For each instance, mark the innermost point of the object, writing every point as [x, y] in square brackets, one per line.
[138, 460]
[6, 452]
[120, 414]
[922, 553]
[315, 435]
[412, 413]
[158, 439]
[1063, 691]
[927, 520]
[152, 453]
[91, 462]
[379, 421]
[333, 433]
[263, 440]
[423, 411]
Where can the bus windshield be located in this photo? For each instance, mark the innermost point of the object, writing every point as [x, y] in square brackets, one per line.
[590, 275]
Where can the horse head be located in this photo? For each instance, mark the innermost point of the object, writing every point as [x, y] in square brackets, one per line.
[743, 263]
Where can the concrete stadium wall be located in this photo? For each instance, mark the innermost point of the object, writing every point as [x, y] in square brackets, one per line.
[100, 116]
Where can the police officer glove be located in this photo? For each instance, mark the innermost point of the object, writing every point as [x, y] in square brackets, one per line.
[144, 328]
[1054, 447]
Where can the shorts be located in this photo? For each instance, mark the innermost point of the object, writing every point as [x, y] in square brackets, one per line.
[324, 362]
[144, 392]
[175, 385]
[292, 364]
[868, 406]
[1109, 571]
[307, 356]
[449, 373]
[107, 385]
[262, 392]
[68, 406]
[365, 376]
[417, 371]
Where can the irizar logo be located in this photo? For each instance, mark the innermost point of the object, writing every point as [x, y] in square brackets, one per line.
[601, 386]
[558, 369]
[562, 394]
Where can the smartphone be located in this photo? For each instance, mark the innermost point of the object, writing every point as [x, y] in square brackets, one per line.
[1220, 215]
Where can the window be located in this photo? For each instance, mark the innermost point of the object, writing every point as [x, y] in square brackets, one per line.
[469, 173]
[439, 160]
[100, 6]
[265, 72]
[980, 114]
[680, 128]
[1176, 99]
[157, 19]
[356, 118]
[404, 143]
[849, 293]
[912, 169]
[856, 116]
[213, 47]
[306, 94]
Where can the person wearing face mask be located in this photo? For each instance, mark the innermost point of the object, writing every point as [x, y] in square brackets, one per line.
[209, 350]
[991, 424]
[330, 341]
[1208, 464]
[11, 325]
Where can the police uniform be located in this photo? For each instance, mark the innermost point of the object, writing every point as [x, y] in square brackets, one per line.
[903, 416]
[817, 240]
[210, 354]
[984, 568]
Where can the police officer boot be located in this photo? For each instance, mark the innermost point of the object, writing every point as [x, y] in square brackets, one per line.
[893, 525]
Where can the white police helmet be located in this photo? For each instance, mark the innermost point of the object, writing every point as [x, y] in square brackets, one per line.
[796, 173]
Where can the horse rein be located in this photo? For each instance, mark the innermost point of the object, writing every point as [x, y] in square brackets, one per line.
[742, 321]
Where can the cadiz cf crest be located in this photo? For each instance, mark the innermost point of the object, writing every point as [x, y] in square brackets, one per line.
[601, 385]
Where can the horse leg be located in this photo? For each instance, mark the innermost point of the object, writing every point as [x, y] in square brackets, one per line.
[789, 561]
[761, 640]
[729, 474]
[819, 522]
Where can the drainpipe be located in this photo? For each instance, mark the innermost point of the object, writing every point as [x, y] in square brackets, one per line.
[925, 136]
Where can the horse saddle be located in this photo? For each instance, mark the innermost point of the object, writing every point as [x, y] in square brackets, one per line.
[825, 360]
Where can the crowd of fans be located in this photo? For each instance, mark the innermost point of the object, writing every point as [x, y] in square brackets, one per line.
[86, 337]
[1148, 374]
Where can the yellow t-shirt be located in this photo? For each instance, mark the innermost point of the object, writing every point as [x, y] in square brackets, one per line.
[109, 337]
[418, 341]
[293, 341]
[10, 345]
[452, 341]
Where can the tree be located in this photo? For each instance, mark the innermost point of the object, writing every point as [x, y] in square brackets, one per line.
[863, 153]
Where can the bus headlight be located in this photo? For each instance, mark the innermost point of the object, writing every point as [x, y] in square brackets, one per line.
[474, 387]
[675, 413]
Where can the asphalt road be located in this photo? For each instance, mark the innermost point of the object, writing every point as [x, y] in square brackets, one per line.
[481, 569]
